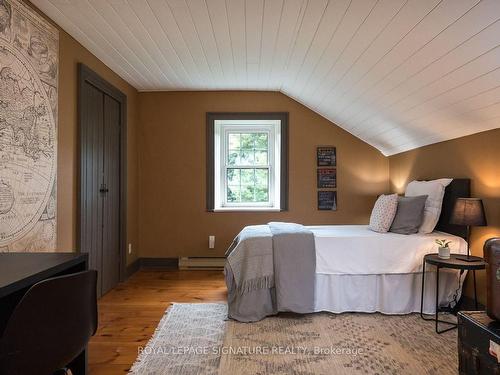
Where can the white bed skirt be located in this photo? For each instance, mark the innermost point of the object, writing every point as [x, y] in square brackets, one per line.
[387, 293]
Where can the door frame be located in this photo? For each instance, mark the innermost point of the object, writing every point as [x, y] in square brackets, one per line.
[87, 75]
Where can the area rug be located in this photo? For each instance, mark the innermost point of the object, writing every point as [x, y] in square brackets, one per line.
[196, 339]
[185, 342]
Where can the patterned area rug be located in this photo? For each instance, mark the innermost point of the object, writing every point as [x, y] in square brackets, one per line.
[196, 339]
[351, 343]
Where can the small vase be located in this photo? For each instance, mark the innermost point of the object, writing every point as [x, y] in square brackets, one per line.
[444, 252]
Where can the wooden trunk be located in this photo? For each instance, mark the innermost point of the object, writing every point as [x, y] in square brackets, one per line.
[476, 334]
[492, 258]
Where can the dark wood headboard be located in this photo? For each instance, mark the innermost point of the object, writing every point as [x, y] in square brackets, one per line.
[459, 188]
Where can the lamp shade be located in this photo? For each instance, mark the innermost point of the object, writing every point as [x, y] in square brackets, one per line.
[468, 211]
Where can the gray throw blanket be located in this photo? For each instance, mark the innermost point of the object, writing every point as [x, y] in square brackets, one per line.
[270, 268]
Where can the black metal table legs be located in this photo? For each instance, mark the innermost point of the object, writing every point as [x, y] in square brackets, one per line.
[475, 292]
[436, 315]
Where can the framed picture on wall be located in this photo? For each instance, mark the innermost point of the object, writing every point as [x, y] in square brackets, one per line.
[326, 156]
[327, 178]
[327, 200]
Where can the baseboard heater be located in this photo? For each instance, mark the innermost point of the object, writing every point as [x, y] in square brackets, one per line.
[201, 263]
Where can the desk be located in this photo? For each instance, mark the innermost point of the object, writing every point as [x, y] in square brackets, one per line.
[19, 271]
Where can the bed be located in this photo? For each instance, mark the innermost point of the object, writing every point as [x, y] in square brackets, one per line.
[381, 272]
[354, 270]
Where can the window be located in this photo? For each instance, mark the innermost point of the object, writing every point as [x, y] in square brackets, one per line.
[247, 163]
[245, 170]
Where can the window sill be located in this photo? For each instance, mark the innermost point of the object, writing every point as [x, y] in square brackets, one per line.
[246, 209]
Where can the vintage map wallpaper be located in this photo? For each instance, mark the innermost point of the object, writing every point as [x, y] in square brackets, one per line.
[28, 129]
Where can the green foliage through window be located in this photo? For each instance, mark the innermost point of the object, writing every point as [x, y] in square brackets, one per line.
[244, 183]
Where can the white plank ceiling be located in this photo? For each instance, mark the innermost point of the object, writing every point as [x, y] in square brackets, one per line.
[398, 74]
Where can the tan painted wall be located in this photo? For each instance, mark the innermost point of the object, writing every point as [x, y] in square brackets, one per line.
[476, 157]
[70, 54]
[173, 221]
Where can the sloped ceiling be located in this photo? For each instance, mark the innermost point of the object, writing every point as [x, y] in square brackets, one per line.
[398, 74]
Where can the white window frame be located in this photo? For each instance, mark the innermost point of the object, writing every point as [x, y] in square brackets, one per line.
[222, 128]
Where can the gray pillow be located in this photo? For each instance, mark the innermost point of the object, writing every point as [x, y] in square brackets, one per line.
[409, 215]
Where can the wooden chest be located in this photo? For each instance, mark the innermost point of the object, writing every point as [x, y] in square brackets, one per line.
[478, 343]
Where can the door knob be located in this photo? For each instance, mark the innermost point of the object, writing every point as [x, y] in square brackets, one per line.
[104, 188]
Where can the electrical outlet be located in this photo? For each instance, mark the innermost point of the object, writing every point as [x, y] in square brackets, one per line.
[211, 242]
[130, 248]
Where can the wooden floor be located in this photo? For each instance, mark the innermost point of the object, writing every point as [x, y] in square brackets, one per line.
[129, 314]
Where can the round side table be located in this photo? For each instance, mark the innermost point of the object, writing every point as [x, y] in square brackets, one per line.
[453, 263]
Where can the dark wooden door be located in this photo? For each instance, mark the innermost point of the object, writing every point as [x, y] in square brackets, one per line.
[101, 183]
[92, 155]
[110, 196]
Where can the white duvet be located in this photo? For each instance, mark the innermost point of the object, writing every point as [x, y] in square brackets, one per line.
[356, 250]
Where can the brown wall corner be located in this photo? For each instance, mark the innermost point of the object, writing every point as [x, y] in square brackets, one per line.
[476, 157]
[71, 53]
[173, 219]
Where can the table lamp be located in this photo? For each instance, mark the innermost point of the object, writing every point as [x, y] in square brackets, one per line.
[468, 212]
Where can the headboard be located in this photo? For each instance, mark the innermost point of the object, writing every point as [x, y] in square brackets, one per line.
[459, 188]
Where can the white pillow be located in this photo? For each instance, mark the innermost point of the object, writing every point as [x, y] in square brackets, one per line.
[435, 192]
[383, 213]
